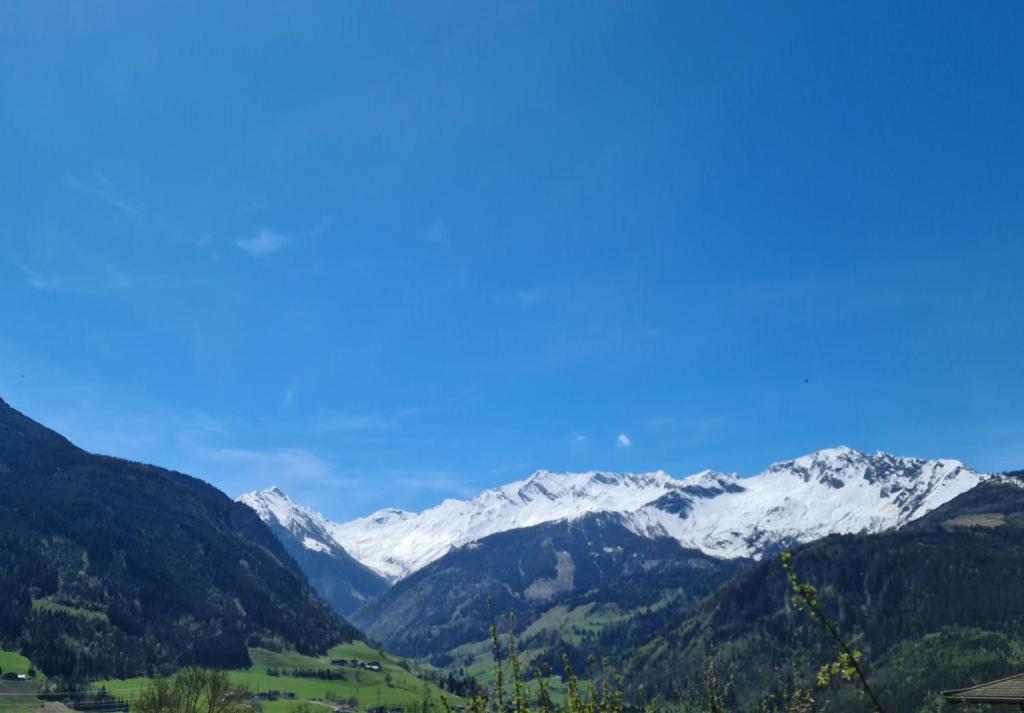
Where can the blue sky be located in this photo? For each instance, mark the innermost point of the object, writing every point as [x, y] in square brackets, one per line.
[385, 253]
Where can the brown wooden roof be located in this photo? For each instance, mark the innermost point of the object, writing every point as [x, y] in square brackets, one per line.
[1005, 690]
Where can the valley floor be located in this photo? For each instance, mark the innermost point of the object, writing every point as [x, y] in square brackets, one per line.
[394, 686]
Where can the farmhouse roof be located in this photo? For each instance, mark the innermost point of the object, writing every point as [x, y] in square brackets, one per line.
[1005, 690]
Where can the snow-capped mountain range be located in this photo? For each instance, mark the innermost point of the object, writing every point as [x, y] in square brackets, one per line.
[837, 490]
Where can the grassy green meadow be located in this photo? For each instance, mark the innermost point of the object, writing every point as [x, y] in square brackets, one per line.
[17, 696]
[13, 662]
[369, 688]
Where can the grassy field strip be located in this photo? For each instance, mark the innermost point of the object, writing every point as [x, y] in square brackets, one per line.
[392, 686]
[18, 696]
[47, 604]
[13, 662]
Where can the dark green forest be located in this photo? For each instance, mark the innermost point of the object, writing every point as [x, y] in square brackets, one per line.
[114, 568]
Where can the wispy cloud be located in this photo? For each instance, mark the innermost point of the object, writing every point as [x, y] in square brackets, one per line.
[519, 469]
[524, 297]
[41, 281]
[433, 481]
[286, 466]
[437, 234]
[265, 242]
[699, 423]
[84, 414]
[89, 279]
[117, 279]
[289, 398]
[357, 422]
[375, 421]
[577, 439]
[100, 187]
[387, 267]
[623, 441]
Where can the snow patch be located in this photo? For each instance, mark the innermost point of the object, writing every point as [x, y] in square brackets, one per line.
[310, 544]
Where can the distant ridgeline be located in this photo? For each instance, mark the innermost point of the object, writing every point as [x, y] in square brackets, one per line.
[114, 568]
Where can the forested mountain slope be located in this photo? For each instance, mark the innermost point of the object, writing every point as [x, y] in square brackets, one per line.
[110, 567]
[591, 560]
[936, 604]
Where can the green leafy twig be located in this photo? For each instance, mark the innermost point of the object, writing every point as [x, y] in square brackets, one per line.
[847, 664]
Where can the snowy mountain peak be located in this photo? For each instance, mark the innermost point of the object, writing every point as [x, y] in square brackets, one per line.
[711, 479]
[834, 490]
[277, 509]
[838, 460]
[388, 515]
[835, 467]
[575, 493]
[272, 503]
[839, 451]
[338, 577]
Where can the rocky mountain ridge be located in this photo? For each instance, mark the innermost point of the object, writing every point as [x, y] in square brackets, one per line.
[832, 491]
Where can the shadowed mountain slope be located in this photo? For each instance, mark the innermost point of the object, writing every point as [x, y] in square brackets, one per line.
[110, 567]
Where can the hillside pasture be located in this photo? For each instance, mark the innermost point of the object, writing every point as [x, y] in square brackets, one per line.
[394, 686]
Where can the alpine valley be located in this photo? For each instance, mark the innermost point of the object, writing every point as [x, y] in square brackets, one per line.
[114, 569]
[599, 563]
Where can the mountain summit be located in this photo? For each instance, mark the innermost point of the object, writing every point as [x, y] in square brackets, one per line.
[836, 490]
[306, 535]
